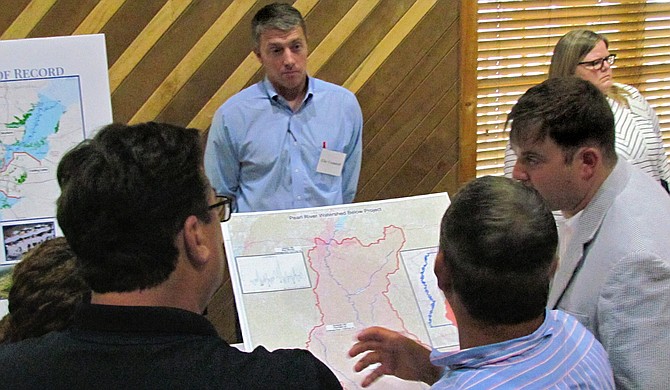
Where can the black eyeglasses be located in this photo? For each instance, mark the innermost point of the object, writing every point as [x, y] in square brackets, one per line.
[223, 207]
[599, 63]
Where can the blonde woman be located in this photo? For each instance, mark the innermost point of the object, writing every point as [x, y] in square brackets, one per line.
[585, 54]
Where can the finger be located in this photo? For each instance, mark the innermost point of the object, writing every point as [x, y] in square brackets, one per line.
[366, 361]
[357, 349]
[373, 376]
[374, 333]
[363, 346]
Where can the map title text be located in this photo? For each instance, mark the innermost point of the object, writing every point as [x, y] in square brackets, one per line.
[30, 73]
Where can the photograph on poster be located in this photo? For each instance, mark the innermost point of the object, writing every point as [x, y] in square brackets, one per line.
[20, 238]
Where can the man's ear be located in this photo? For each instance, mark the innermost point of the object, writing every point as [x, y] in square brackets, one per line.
[195, 241]
[589, 159]
[443, 273]
[257, 51]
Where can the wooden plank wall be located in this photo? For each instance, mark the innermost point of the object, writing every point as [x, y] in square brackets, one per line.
[178, 60]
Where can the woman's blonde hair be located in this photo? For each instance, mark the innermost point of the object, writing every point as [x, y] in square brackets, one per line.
[571, 50]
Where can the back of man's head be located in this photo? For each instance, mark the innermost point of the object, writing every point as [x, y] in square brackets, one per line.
[570, 111]
[125, 195]
[276, 16]
[499, 241]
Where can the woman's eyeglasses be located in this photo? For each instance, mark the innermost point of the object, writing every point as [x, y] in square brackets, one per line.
[598, 64]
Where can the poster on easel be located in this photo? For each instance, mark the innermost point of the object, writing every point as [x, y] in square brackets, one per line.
[54, 92]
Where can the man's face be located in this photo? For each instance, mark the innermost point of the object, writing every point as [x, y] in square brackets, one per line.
[284, 58]
[601, 78]
[542, 166]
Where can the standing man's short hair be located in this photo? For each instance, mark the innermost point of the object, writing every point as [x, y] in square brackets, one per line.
[278, 16]
[125, 194]
[499, 239]
[570, 111]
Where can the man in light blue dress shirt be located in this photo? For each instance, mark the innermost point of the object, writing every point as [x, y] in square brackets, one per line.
[497, 255]
[290, 140]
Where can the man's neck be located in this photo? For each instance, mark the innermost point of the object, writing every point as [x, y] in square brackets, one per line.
[472, 333]
[293, 96]
[155, 296]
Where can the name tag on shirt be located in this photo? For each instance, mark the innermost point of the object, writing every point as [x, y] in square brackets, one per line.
[331, 162]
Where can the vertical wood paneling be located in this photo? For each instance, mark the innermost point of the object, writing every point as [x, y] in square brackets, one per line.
[468, 80]
[178, 60]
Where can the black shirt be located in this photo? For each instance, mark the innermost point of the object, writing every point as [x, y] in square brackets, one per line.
[114, 347]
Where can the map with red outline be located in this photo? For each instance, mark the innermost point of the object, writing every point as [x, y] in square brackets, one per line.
[314, 278]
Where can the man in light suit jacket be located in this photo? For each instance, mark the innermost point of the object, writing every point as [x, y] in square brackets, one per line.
[614, 270]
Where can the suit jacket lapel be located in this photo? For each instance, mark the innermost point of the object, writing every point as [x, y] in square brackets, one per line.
[585, 231]
[568, 265]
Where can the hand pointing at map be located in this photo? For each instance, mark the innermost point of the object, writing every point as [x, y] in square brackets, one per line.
[506, 342]
[396, 354]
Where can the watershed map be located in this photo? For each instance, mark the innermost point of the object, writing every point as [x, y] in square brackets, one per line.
[314, 278]
[40, 119]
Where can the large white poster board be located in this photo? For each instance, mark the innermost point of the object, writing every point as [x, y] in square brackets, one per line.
[313, 278]
[54, 92]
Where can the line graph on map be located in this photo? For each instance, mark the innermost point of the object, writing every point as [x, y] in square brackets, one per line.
[314, 278]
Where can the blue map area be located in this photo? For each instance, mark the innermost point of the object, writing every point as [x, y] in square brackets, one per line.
[42, 121]
[33, 123]
[6, 202]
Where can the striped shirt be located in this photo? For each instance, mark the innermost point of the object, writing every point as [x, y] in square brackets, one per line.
[638, 136]
[560, 354]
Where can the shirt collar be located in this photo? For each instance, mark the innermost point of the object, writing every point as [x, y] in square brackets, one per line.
[275, 97]
[141, 319]
[492, 353]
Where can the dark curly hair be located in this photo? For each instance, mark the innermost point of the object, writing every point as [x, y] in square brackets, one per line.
[46, 290]
[125, 195]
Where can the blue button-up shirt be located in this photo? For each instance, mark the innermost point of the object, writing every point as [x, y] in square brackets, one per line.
[265, 155]
[560, 354]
